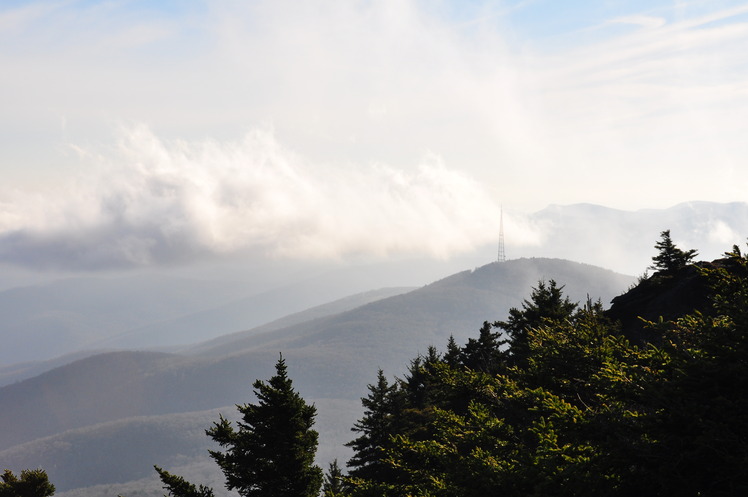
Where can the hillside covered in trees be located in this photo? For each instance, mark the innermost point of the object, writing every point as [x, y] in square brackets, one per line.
[116, 414]
[568, 401]
[559, 398]
[563, 399]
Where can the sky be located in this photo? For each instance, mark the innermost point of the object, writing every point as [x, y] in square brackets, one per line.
[145, 133]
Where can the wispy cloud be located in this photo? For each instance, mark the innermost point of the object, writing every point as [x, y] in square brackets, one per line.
[640, 20]
[408, 124]
[155, 202]
[659, 106]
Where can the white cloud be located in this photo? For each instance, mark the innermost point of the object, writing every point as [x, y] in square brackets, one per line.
[362, 92]
[155, 201]
[720, 232]
[649, 116]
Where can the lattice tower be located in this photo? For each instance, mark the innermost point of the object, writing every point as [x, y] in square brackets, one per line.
[502, 253]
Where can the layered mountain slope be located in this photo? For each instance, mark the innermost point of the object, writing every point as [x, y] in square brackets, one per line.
[456, 305]
[329, 357]
[45, 321]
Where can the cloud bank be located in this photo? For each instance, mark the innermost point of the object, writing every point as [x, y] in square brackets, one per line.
[399, 125]
[151, 201]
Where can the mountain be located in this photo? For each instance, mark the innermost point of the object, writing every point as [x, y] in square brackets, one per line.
[180, 306]
[42, 322]
[331, 357]
[48, 320]
[623, 240]
[165, 309]
[117, 457]
[194, 327]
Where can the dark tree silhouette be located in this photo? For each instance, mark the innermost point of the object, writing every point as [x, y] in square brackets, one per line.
[333, 486]
[30, 483]
[271, 452]
[547, 303]
[374, 431]
[670, 258]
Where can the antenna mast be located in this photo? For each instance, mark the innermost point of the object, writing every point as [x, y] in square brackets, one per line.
[502, 254]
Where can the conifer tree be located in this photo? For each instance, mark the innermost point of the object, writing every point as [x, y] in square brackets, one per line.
[178, 486]
[333, 486]
[669, 257]
[271, 452]
[547, 303]
[375, 429]
[30, 483]
[453, 353]
[484, 353]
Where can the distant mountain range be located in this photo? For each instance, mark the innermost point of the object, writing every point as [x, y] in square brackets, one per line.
[173, 308]
[623, 240]
[126, 409]
[43, 322]
[103, 376]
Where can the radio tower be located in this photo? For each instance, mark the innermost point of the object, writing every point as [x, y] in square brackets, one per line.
[502, 254]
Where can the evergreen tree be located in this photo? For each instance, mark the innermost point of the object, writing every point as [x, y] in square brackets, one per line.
[669, 257]
[484, 353]
[415, 387]
[178, 486]
[453, 353]
[375, 429]
[31, 483]
[547, 303]
[271, 452]
[333, 486]
[577, 409]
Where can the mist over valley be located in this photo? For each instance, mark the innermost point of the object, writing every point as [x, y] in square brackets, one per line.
[331, 196]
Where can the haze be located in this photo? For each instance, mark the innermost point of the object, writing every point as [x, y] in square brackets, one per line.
[143, 134]
[190, 187]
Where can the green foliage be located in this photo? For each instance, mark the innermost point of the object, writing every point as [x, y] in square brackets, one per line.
[484, 353]
[178, 486]
[572, 408]
[271, 454]
[374, 431]
[271, 451]
[333, 484]
[670, 258]
[547, 304]
[30, 483]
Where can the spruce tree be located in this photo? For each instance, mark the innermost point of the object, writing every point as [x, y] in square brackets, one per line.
[669, 257]
[375, 429]
[271, 454]
[484, 353]
[333, 486]
[453, 353]
[178, 486]
[30, 483]
[547, 303]
[271, 451]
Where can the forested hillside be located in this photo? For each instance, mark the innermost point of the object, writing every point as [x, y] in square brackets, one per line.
[558, 399]
[332, 357]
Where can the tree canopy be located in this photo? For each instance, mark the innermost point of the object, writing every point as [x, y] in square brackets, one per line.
[557, 403]
[30, 483]
[670, 258]
[584, 412]
[271, 451]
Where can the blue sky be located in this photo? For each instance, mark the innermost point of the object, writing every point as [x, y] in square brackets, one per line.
[133, 132]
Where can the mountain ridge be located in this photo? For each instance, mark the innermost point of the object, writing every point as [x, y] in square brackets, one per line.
[331, 357]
